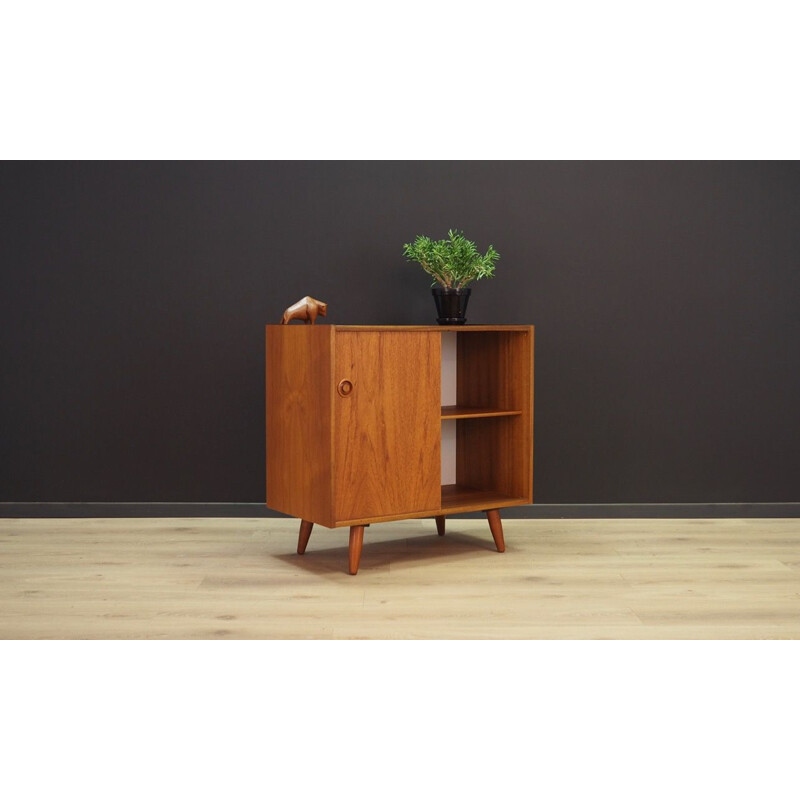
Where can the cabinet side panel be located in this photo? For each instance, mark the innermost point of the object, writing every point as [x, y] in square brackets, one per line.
[387, 430]
[299, 421]
[530, 358]
[496, 369]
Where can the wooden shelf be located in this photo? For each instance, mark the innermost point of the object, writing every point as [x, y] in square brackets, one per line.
[468, 412]
[468, 328]
[457, 499]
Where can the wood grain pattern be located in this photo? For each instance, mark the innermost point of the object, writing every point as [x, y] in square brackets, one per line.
[387, 430]
[559, 579]
[299, 395]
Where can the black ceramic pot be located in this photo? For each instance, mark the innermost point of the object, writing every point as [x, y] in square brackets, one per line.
[451, 305]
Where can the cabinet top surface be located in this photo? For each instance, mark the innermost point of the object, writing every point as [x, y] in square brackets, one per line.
[460, 328]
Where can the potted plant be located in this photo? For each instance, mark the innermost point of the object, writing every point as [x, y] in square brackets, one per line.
[454, 263]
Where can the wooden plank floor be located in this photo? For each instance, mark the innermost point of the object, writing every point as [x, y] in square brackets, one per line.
[242, 579]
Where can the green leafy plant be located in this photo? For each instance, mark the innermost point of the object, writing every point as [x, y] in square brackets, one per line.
[453, 262]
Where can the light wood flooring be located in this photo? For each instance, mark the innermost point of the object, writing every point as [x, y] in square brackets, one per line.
[242, 579]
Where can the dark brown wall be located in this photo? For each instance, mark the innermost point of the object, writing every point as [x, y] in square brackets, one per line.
[666, 298]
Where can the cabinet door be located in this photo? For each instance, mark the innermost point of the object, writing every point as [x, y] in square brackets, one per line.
[387, 419]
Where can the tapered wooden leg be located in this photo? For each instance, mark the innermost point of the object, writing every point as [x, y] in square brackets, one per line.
[496, 526]
[356, 540]
[305, 533]
[440, 525]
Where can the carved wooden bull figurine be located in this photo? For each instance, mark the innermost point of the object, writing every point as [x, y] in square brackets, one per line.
[306, 309]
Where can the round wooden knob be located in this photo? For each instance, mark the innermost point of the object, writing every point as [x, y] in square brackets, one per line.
[344, 388]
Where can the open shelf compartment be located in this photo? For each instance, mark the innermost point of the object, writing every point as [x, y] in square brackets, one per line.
[486, 419]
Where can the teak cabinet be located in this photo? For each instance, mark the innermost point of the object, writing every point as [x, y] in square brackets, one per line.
[355, 421]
